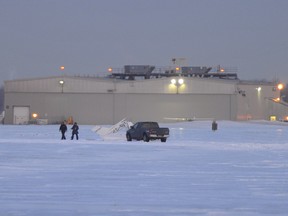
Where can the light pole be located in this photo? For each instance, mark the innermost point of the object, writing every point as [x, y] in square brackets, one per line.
[61, 82]
[177, 83]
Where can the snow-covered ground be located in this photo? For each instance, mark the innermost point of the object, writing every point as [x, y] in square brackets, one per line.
[241, 169]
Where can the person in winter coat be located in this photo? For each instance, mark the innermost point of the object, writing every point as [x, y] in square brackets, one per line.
[75, 129]
[63, 129]
[214, 125]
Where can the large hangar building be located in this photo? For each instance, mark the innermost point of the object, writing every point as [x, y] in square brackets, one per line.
[140, 94]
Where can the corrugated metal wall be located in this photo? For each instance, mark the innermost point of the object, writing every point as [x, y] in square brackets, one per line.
[106, 101]
[110, 108]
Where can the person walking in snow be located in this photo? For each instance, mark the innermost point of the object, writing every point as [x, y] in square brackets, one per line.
[63, 129]
[75, 129]
[214, 125]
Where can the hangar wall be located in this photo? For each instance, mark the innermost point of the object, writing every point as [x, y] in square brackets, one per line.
[107, 85]
[162, 107]
[106, 101]
[255, 101]
[111, 108]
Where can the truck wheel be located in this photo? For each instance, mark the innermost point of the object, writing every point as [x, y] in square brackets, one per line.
[145, 138]
[128, 137]
[163, 139]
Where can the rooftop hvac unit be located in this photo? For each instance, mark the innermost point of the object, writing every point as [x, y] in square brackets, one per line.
[195, 70]
[138, 69]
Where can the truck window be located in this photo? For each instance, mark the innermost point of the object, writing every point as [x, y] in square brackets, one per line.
[150, 125]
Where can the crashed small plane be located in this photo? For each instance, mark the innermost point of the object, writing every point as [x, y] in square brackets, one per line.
[106, 131]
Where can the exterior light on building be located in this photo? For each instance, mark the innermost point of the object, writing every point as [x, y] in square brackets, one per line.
[177, 69]
[273, 118]
[173, 81]
[62, 68]
[280, 86]
[220, 69]
[180, 81]
[110, 69]
[61, 82]
[177, 83]
[34, 115]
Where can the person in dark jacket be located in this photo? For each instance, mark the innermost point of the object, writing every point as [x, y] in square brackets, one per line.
[63, 129]
[214, 125]
[75, 129]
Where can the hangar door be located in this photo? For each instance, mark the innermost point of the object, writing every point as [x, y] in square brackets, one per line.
[20, 115]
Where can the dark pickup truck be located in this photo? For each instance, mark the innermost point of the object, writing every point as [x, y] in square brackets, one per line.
[147, 131]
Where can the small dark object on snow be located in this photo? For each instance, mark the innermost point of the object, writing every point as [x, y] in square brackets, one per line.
[214, 126]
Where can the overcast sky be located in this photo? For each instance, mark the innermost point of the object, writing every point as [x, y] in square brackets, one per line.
[88, 36]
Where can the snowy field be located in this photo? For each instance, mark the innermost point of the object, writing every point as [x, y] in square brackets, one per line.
[241, 169]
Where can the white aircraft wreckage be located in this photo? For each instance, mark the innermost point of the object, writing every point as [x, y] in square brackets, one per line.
[110, 132]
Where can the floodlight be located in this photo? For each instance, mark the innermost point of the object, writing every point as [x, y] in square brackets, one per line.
[173, 81]
[180, 81]
[280, 86]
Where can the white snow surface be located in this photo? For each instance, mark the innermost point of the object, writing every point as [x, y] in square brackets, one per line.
[240, 169]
